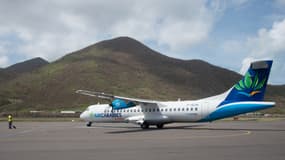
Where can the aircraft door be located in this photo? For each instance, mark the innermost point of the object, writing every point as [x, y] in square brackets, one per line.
[205, 109]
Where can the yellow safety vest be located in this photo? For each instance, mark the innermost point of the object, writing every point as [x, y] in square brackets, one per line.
[9, 118]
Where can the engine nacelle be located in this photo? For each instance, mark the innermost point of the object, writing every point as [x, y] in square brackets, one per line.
[121, 104]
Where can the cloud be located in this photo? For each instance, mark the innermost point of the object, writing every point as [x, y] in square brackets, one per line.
[222, 5]
[42, 29]
[207, 29]
[177, 25]
[3, 61]
[268, 44]
[280, 3]
[52, 28]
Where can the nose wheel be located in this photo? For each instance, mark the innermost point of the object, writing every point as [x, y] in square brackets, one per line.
[144, 126]
[89, 124]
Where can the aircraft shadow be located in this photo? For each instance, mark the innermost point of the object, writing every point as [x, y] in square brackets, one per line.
[188, 127]
[137, 129]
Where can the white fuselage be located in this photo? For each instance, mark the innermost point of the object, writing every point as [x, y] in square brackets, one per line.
[202, 110]
[163, 112]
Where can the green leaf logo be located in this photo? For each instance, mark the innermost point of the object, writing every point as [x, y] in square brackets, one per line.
[250, 85]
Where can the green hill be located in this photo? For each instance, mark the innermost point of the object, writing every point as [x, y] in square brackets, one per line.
[26, 66]
[13, 71]
[121, 66]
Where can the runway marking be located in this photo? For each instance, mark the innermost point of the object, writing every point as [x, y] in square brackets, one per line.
[221, 136]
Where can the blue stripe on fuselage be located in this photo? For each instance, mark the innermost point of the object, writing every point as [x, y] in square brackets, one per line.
[234, 109]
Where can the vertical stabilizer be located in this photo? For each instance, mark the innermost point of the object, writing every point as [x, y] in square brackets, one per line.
[252, 86]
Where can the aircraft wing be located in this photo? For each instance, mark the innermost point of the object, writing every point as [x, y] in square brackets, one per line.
[113, 97]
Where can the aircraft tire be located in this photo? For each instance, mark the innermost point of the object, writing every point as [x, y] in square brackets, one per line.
[144, 126]
[89, 124]
[160, 126]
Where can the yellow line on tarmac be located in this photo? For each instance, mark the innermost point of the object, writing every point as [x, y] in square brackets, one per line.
[244, 133]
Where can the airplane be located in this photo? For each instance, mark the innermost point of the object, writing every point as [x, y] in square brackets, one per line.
[245, 96]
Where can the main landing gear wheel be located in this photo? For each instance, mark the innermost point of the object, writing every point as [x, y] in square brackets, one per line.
[89, 124]
[144, 126]
[160, 126]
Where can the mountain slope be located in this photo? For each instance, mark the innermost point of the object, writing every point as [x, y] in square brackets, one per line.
[121, 66]
[26, 66]
[11, 72]
[4, 75]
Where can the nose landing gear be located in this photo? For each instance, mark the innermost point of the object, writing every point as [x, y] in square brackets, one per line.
[89, 124]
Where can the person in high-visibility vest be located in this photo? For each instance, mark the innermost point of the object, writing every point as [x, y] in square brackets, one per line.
[10, 121]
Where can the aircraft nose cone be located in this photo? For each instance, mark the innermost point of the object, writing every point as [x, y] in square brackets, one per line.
[83, 115]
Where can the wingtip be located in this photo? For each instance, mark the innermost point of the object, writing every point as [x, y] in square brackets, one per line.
[78, 91]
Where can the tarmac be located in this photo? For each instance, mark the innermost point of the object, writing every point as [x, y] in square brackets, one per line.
[251, 140]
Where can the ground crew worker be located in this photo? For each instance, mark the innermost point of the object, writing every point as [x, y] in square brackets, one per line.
[10, 121]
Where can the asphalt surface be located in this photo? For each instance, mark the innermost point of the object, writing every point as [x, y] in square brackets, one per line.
[252, 140]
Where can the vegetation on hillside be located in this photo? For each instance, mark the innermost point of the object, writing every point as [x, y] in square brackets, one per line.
[121, 66]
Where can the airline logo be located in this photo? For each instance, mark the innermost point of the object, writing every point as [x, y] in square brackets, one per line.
[250, 85]
[107, 115]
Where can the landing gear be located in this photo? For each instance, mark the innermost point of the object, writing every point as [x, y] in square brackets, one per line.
[144, 126]
[89, 124]
[159, 126]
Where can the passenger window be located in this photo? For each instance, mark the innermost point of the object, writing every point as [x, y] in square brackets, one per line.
[178, 109]
[161, 109]
[182, 109]
[174, 109]
[166, 110]
[191, 109]
[170, 109]
[127, 110]
[196, 109]
[150, 110]
[157, 109]
[153, 110]
[187, 109]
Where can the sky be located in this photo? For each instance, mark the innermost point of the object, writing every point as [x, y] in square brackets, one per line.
[226, 33]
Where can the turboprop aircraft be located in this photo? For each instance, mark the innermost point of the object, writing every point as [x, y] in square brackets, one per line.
[245, 96]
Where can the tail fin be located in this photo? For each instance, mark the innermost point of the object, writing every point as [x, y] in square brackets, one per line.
[252, 86]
